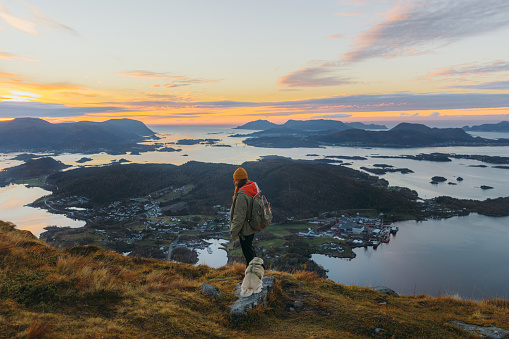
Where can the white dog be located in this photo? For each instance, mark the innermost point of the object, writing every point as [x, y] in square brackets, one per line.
[252, 282]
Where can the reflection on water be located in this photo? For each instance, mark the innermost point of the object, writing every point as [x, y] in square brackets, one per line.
[462, 255]
[13, 199]
[214, 255]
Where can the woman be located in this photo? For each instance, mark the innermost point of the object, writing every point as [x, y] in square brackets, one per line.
[239, 213]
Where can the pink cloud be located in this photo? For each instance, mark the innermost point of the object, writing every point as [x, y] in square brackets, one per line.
[31, 26]
[335, 36]
[349, 14]
[424, 25]
[17, 22]
[10, 56]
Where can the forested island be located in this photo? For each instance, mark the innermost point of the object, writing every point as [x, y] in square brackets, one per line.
[404, 135]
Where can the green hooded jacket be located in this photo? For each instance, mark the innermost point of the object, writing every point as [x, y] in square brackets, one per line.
[240, 210]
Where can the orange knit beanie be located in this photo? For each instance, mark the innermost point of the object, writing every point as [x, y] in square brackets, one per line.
[239, 174]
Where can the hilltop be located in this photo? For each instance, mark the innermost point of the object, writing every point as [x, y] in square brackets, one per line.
[502, 126]
[37, 135]
[309, 125]
[85, 292]
[31, 169]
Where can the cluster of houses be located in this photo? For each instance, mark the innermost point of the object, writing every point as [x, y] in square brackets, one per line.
[357, 231]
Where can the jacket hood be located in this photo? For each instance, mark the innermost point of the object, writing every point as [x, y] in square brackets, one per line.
[251, 189]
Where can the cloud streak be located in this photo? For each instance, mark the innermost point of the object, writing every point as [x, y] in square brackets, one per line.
[18, 23]
[31, 26]
[493, 85]
[472, 69]
[335, 37]
[353, 103]
[316, 76]
[418, 27]
[149, 75]
[44, 20]
[10, 109]
[13, 57]
[177, 80]
[339, 106]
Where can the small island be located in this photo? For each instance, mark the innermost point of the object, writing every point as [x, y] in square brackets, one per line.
[83, 160]
[437, 179]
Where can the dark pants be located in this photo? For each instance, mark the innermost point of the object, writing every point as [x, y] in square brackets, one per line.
[247, 247]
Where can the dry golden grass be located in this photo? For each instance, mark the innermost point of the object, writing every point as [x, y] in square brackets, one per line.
[497, 302]
[87, 292]
[306, 275]
[40, 328]
[239, 268]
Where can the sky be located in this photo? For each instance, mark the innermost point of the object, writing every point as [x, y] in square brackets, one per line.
[228, 62]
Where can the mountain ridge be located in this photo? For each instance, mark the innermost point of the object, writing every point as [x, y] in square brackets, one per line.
[33, 134]
[309, 125]
[404, 135]
[502, 126]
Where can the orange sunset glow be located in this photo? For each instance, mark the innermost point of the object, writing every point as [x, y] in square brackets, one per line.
[354, 61]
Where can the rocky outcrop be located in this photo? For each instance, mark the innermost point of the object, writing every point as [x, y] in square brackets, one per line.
[211, 290]
[240, 307]
[385, 290]
[484, 332]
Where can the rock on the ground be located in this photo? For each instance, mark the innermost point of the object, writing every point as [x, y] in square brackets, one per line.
[211, 290]
[240, 307]
[485, 332]
[386, 290]
[298, 305]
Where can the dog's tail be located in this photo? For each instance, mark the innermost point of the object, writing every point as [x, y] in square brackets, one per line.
[246, 292]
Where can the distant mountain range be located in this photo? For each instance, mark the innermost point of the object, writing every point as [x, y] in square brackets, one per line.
[309, 125]
[37, 135]
[502, 126]
[402, 135]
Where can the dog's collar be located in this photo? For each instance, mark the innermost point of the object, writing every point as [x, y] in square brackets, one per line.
[251, 271]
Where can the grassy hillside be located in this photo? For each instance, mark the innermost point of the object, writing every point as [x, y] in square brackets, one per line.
[87, 292]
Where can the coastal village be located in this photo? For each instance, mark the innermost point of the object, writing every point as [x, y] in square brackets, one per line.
[146, 227]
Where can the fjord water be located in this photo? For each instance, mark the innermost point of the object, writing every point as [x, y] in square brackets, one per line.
[463, 255]
[13, 201]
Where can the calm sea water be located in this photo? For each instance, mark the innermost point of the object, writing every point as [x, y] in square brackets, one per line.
[462, 256]
[214, 255]
[465, 256]
[13, 201]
